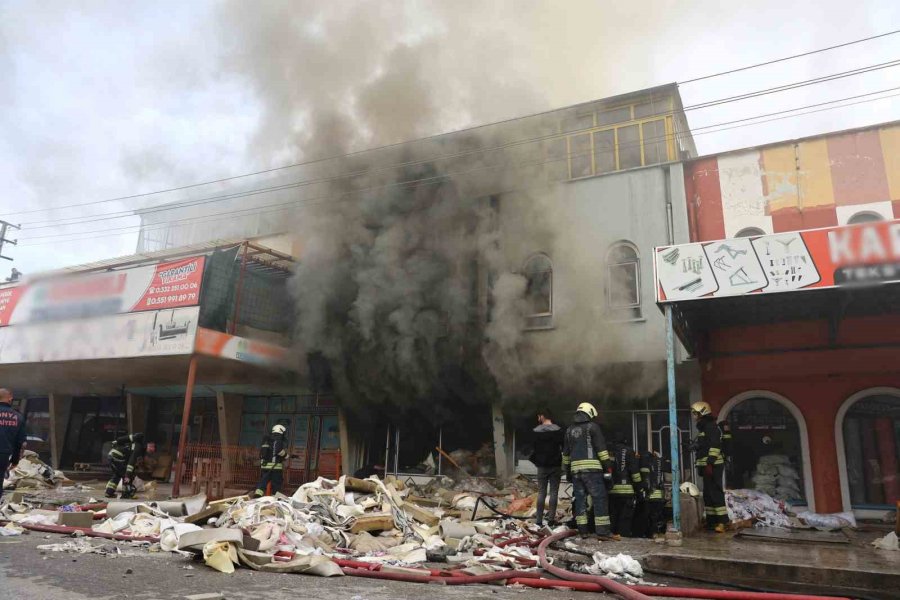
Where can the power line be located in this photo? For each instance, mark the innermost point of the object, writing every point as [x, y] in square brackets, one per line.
[53, 223]
[397, 144]
[738, 123]
[786, 58]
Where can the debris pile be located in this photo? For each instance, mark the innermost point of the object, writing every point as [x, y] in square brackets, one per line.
[33, 473]
[756, 508]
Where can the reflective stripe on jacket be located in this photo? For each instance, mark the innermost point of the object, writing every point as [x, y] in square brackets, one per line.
[709, 442]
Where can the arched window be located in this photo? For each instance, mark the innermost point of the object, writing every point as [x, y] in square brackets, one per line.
[750, 232]
[768, 448]
[539, 291]
[865, 216]
[623, 276]
[869, 431]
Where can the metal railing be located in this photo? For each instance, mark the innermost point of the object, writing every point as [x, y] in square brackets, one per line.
[213, 468]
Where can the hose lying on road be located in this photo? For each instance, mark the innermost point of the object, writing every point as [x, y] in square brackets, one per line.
[88, 532]
[603, 583]
[451, 580]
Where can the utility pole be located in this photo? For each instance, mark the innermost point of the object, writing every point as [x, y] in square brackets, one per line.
[4, 227]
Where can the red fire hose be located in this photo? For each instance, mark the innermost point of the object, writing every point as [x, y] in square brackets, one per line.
[596, 583]
[452, 580]
[88, 532]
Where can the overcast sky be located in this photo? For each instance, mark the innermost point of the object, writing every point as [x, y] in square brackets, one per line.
[106, 99]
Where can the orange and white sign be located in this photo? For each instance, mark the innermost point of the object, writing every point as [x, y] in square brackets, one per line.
[865, 254]
[225, 345]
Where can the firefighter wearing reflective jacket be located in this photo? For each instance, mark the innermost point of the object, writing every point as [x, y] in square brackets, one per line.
[711, 465]
[586, 463]
[272, 454]
[651, 519]
[123, 457]
[626, 486]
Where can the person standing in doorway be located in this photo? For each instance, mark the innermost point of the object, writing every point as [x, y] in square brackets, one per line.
[272, 454]
[12, 434]
[711, 465]
[547, 457]
[627, 486]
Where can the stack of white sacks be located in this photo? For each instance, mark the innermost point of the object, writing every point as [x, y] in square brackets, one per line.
[776, 477]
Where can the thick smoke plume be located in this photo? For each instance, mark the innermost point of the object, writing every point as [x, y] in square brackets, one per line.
[404, 285]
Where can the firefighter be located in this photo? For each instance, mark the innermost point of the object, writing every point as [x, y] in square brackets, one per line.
[649, 518]
[626, 486]
[123, 457]
[711, 465]
[272, 454]
[12, 435]
[586, 463]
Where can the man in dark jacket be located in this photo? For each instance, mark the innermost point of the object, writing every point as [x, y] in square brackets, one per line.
[123, 458]
[12, 434]
[587, 462]
[547, 457]
[649, 518]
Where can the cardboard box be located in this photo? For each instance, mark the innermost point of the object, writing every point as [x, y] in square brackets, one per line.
[76, 519]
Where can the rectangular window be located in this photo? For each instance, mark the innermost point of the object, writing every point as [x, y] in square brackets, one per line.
[614, 116]
[623, 292]
[655, 142]
[538, 293]
[605, 151]
[629, 146]
[578, 123]
[557, 159]
[580, 155]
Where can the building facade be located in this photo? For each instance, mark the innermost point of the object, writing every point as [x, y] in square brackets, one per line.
[807, 376]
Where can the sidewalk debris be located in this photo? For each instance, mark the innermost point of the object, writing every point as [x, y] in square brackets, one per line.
[888, 542]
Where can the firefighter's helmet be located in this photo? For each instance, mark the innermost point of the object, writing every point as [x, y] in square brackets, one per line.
[279, 429]
[701, 408]
[588, 409]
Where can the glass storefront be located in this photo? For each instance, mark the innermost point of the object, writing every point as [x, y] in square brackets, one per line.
[766, 450]
[872, 450]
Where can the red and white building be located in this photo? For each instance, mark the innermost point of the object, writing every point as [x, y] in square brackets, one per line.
[789, 297]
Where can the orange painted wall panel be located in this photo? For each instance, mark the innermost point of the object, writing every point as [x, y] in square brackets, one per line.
[890, 150]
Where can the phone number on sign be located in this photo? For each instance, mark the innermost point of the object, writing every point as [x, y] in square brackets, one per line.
[172, 299]
[167, 289]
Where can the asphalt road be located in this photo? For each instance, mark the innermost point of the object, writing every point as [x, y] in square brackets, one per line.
[27, 573]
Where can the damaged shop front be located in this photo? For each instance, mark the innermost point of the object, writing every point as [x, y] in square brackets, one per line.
[189, 346]
[797, 335]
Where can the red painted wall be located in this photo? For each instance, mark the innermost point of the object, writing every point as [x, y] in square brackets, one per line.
[817, 381]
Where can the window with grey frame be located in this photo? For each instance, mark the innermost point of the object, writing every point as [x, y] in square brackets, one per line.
[623, 282]
[538, 273]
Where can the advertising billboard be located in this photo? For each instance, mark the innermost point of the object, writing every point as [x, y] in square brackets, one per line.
[852, 255]
[152, 287]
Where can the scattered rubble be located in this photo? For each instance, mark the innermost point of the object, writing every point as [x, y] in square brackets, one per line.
[33, 473]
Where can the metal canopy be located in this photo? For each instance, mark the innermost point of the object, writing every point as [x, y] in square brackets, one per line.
[694, 319]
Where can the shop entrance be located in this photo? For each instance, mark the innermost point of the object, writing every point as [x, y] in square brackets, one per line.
[871, 440]
[767, 449]
[93, 425]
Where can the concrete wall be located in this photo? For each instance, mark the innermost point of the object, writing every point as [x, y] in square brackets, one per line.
[229, 408]
[575, 224]
[60, 409]
[817, 382]
[803, 184]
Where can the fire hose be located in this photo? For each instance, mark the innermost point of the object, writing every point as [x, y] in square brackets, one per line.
[639, 591]
[88, 532]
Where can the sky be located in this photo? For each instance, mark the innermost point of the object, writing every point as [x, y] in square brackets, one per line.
[100, 100]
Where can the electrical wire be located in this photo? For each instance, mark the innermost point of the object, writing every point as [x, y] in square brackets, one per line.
[786, 58]
[705, 130]
[397, 144]
[303, 183]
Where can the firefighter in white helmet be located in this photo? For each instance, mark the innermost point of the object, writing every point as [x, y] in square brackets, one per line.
[272, 454]
[585, 462]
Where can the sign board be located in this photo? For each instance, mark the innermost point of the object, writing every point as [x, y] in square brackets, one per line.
[151, 287]
[148, 333]
[799, 260]
[225, 345]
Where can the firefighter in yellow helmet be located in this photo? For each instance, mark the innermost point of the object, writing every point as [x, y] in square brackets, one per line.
[711, 465]
[587, 465]
[272, 454]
